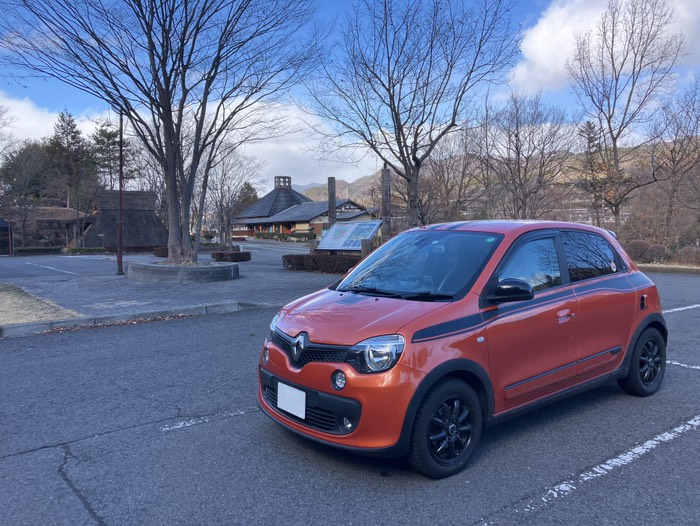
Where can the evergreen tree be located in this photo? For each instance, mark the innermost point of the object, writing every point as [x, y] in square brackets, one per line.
[73, 168]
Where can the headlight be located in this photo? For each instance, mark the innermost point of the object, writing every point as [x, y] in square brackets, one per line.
[377, 354]
[273, 323]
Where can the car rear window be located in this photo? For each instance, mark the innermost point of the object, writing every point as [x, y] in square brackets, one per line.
[588, 256]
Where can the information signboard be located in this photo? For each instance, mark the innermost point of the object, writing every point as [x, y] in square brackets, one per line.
[348, 235]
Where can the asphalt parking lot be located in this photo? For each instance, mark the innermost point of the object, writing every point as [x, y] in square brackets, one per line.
[156, 423]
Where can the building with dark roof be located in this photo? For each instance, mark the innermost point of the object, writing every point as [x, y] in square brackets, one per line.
[282, 197]
[304, 215]
[141, 228]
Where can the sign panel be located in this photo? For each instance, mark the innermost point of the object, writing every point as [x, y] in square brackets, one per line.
[348, 235]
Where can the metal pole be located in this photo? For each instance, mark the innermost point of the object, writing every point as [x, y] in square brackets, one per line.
[120, 266]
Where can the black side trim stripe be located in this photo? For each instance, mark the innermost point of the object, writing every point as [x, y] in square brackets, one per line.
[477, 321]
[613, 352]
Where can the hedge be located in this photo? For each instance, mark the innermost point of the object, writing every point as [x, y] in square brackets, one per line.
[320, 263]
[297, 236]
[232, 256]
[29, 251]
[86, 250]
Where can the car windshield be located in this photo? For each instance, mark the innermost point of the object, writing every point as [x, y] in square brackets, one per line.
[423, 265]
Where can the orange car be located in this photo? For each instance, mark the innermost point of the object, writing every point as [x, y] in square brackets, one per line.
[450, 327]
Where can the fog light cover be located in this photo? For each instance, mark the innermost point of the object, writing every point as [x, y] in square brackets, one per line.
[347, 425]
[338, 380]
[266, 355]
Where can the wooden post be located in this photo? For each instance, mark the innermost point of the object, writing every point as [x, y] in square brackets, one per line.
[386, 204]
[366, 247]
[331, 201]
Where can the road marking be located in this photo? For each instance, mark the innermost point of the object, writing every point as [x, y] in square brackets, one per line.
[531, 504]
[204, 419]
[672, 362]
[52, 268]
[682, 308]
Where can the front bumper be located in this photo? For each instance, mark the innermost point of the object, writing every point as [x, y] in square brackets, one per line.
[375, 404]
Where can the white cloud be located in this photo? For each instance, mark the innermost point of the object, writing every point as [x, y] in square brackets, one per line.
[34, 122]
[547, 45]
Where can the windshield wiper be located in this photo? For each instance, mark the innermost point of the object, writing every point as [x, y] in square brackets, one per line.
[428, 296]
[371, 291]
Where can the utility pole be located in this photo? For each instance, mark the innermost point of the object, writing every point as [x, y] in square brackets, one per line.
[120, 248]
[385, 212]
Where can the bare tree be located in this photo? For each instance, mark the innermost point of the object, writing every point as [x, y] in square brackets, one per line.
[163, 64]
[676, 158]
[525, 147]
[449, 186]
[618, 72]
[7, 141]
[404, 73]
[227, 182]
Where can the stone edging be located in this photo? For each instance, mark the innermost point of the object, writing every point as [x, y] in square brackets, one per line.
[164, 273]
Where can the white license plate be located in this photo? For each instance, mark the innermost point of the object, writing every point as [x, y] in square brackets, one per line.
[291, 400]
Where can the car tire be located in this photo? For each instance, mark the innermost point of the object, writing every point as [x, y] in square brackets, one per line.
[647, 364]
[446, 429]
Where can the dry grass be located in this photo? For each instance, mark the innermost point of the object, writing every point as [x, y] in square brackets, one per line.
[17, 306]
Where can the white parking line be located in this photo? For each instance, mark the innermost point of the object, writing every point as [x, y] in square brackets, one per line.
[52, 268]
[566, 488]
[682, 308]
[204, 419]
[679, 364]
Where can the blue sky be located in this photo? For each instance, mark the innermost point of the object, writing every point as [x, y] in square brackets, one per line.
[548, 27]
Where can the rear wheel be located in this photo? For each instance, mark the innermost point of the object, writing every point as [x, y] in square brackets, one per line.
[446, 430]
[647, 365]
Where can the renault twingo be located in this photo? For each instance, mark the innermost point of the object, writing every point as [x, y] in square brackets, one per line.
[450, 327]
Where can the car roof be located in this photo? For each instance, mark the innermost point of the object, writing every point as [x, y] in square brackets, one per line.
[510, 227]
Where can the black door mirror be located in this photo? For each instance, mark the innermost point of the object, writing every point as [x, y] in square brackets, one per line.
[511, 289]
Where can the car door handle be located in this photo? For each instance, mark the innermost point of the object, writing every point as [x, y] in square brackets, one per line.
[565, 315]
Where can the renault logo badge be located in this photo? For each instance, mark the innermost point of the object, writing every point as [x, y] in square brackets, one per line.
[299, 345]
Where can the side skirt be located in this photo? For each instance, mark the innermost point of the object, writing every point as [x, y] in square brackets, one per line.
[573, 391]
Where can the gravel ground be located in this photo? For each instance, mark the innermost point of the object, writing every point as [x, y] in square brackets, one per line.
[17, 306]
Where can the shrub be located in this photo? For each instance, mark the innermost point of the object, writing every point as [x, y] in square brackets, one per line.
[320, 263]
[689, 255]
[160, 252]
[230, 256]
[656, 254]
[31, 251]
[637, 249]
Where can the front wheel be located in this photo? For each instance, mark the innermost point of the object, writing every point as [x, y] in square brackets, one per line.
[446, 430]
[647, 365]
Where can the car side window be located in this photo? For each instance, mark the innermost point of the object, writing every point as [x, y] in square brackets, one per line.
[535, 262]
[588, 256]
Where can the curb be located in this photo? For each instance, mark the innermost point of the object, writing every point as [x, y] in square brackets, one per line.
[27, 329]
[667, 269]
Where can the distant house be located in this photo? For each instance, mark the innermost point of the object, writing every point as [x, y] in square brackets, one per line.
[286, 211]
[141, 228]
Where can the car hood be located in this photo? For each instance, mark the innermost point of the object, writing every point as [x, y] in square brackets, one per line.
[346, 318]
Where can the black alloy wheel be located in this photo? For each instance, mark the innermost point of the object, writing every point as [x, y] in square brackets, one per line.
[446, 430]
[647, 365]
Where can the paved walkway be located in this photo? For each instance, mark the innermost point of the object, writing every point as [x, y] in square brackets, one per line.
[103, 299]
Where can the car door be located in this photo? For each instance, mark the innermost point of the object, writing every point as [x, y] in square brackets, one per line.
[532, 343]
[606, 301]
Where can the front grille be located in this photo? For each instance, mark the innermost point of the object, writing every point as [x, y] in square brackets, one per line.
[315, 416]
[315, 352]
